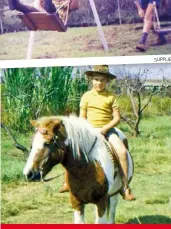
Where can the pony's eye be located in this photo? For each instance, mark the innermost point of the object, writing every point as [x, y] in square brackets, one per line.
[46, 143]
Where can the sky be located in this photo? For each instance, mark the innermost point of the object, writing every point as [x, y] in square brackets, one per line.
[156, 71]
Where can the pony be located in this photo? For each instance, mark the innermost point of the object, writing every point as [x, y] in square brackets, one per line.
[91, 175]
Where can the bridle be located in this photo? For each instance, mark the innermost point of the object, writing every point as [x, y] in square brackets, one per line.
[53, 143]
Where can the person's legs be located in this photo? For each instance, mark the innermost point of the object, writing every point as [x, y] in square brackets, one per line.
[48, 6]
[146, 27]
[122, 154]
[161, 40]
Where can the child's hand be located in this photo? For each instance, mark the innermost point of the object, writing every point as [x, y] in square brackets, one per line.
[103, 131]
[141, 13]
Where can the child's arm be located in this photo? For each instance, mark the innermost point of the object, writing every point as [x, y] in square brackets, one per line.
[113, 122]
[83, 113]
[140, 10]
[83, 106]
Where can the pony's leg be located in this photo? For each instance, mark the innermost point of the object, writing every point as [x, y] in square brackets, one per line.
[79, 216]
[100, 219]
[112, 208]
[101, 211]
[78, 209]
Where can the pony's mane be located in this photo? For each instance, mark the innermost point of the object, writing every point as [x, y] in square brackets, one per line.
[81, 136]
[47, 120]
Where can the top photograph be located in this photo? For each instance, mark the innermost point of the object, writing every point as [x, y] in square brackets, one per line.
[45, 29]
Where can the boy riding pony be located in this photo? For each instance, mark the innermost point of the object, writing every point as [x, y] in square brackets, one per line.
[101, 109]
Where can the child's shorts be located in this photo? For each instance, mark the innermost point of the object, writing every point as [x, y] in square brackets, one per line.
[144, 3]
[110, 132]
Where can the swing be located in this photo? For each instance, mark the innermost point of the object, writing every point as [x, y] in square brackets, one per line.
[50, 21]
[57, 23]
[156, 24]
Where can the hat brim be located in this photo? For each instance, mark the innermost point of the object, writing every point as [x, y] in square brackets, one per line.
[90, 74]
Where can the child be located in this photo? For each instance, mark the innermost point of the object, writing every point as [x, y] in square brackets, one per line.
[101, 109]
[145, 10]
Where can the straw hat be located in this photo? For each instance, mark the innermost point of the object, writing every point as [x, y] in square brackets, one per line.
[100, 70]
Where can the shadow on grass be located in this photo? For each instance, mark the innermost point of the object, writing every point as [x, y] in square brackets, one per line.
[150, 219]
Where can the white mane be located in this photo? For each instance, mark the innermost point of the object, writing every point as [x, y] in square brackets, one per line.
[81, 135]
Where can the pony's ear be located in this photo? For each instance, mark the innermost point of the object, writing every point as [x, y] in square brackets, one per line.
[33, 123]
[56, 125]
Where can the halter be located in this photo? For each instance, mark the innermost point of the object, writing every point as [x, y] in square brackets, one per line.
[54, 141]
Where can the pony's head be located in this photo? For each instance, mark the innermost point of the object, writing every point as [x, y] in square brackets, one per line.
[47, 148]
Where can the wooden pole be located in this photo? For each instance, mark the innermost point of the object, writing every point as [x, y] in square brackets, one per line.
[30, 45]
[1, 19]
[99, 26]
[119, 12]
[32, 36]
[1, 25]
[156, 15]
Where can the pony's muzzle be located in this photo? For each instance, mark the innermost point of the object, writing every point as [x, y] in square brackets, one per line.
[33, 176]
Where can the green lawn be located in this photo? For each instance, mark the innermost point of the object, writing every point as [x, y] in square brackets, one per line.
[79, 42]
[41, 203]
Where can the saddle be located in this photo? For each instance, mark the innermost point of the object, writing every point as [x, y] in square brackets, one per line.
[115, 159]
[112, 153]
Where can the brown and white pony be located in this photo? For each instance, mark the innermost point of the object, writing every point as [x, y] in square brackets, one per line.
[91, 175]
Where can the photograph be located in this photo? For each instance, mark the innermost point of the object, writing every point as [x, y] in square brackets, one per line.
[85, 144]
[53, 29]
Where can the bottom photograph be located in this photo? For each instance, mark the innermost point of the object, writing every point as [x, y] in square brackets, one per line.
[86, 144]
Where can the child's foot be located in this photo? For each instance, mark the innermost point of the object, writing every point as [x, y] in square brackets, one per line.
[160, 41]
[127, 195]
[141, 47]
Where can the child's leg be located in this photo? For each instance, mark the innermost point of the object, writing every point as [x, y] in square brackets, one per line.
[147, 23]
[148, 18]
[48, 6]
[146, 27]
[122, 154]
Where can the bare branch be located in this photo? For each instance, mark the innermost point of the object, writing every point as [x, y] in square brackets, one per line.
[16, 144]
[149, 100]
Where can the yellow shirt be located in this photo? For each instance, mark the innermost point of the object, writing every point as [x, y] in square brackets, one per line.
[99, 107]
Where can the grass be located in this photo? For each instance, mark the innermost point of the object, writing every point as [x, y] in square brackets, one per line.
[79, 42]
[29, 203]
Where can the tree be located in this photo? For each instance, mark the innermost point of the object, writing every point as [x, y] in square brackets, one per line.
[134, 85]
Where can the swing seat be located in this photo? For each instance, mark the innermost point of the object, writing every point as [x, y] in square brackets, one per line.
[162, 31]
[43, 21]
